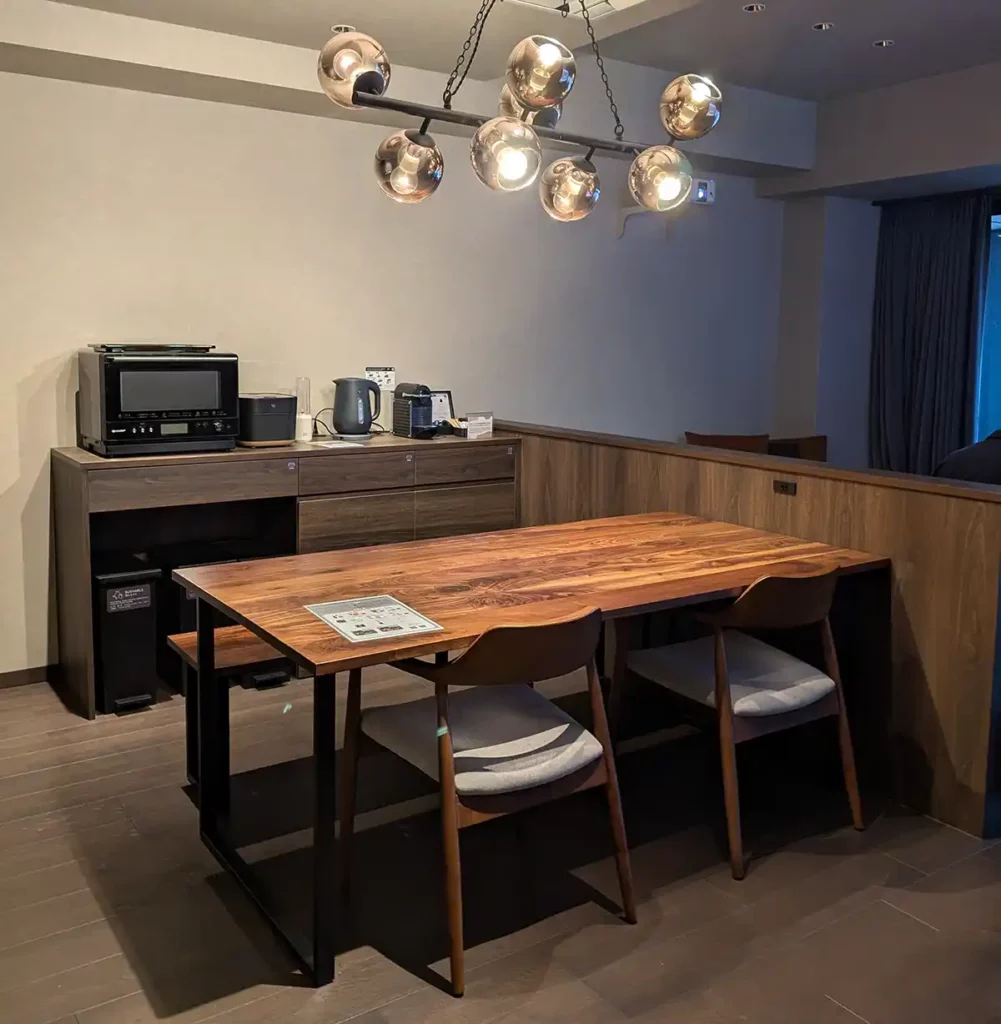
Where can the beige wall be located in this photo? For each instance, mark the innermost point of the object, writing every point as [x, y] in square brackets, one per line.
[131, 216]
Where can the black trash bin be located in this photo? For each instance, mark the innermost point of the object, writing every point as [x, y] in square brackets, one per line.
[125, 623]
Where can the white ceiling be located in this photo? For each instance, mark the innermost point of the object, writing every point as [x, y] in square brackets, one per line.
[428, 34]
[779, 51]
[776, 50]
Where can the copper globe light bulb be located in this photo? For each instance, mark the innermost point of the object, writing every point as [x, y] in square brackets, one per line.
[541, 72]
[690, 107]
[506, 154]
[351, 59]
[660, 178]
[569, 188]
[409, 166]
[542, 117]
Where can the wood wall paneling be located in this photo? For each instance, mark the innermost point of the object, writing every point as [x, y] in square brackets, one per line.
[945, 545]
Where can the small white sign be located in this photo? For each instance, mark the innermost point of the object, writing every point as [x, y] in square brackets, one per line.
[384, 376]
[372, 618]
[480, 424]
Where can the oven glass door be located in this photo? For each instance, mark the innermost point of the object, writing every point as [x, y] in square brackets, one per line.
[144, 388]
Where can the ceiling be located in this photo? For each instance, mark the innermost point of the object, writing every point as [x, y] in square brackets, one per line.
[776, 50]
[427, 34]
[779, 51]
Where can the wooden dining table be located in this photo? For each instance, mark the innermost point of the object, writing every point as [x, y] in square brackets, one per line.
[624, 566]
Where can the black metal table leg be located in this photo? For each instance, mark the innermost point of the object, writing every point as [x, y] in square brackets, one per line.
[189, 682]
[324, 851]
[213, 768]
[213, 731]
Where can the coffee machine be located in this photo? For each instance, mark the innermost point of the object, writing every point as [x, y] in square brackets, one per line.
[412, 411]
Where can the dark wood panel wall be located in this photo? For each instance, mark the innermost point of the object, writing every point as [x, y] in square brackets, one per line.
[945, 544]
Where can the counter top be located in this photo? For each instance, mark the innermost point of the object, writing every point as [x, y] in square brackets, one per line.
[379, 442]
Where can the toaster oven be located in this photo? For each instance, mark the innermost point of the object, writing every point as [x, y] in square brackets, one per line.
[157, 399]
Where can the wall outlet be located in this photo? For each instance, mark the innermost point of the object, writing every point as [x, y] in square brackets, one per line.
[704, 191]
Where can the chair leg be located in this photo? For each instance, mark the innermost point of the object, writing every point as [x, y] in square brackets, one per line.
[731, 797]
[844, 731]
[848, 767]
[349, 775]
[622, 863]
[728, 755]
[450, 842]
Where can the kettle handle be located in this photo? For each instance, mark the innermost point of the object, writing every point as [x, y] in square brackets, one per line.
[374, 388]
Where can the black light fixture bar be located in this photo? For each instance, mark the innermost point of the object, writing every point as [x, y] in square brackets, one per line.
[363, 98]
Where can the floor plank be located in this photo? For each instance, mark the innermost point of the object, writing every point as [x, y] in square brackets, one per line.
[113, 912]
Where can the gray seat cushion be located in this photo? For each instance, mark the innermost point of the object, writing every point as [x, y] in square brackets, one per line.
[504, 738]
[763, 679]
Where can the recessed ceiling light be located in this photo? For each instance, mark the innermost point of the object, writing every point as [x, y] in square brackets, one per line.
[823, 26]
[884, 44]
[753, 8]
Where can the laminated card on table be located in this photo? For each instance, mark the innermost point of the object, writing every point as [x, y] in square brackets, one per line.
[372, 618]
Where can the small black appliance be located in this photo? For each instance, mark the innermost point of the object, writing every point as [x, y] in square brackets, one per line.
[157, 399]
[412, 415]
[125, 600]
[267, 421]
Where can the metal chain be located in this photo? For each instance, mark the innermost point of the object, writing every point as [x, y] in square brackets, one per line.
[619, 129]
[465, 58]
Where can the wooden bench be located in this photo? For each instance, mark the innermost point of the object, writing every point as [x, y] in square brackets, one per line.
[237, 651]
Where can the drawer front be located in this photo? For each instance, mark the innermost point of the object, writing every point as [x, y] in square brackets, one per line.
[465, 463]
[361, 520]
[465, 508]
[192, 484]
[339, 473]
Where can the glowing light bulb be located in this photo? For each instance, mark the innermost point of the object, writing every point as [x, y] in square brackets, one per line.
[512, 164]
[549, 54]
[701, 92]
[668, 188]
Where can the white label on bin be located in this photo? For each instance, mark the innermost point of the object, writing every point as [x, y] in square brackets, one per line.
[127, 599]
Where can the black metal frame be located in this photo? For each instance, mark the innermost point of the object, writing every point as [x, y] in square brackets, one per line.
[315, 954]
[374, 101]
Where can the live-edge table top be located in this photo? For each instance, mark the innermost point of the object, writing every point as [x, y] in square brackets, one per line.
[624, 565]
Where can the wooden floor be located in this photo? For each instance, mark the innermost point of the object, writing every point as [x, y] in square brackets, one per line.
[112, 912]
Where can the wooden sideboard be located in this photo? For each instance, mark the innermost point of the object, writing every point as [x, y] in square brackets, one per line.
[389, 489]
[944, 541]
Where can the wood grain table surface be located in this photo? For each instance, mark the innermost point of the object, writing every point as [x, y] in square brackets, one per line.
[623, 565]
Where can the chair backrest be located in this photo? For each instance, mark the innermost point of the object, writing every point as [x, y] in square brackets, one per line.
[813, 449]
[756, 443]
[779, 602]
[522, 654]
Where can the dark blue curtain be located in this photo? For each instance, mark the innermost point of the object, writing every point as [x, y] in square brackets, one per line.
[931, 278]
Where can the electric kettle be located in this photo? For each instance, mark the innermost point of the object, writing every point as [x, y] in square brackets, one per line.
[353, 413]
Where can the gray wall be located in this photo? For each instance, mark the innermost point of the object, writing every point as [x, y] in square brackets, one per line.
[825, 324]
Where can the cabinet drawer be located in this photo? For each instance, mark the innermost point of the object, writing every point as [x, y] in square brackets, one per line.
[465, 508]
[192, 483]
[356, 521]
[466, 463]
[339, 473]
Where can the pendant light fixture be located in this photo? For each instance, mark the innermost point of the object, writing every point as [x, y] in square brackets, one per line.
[506, 148]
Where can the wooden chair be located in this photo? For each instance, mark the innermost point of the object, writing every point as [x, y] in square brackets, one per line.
[813, 449]
[753, 688]
[756, 443]
[497, 747]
